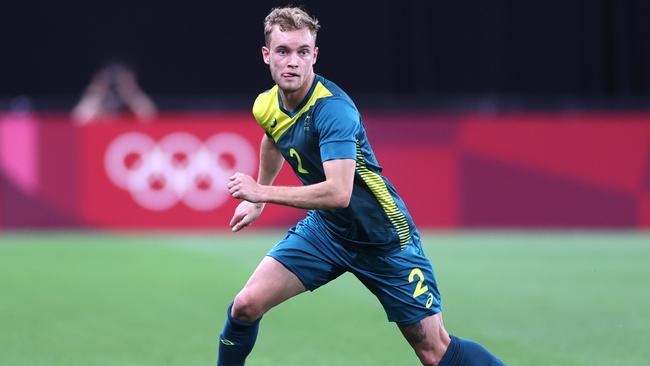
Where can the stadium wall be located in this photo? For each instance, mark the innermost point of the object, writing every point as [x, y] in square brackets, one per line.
[454, 170]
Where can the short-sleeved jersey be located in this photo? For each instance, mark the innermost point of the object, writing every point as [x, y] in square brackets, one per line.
[325, 126]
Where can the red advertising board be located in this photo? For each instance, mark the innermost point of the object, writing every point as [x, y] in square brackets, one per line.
[170, 174]
[524, 170]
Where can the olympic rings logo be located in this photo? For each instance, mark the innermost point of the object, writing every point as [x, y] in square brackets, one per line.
[178, 168]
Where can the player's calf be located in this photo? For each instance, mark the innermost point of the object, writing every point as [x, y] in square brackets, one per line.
[428, 338]
[237, 340]
[465, 352]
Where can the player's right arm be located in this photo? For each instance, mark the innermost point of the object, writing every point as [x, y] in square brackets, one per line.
[271, 161]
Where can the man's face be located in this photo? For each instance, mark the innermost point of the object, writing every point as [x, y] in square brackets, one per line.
[291, 56]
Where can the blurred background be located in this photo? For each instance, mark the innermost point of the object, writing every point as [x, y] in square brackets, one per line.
[513, 114]
[518, 133]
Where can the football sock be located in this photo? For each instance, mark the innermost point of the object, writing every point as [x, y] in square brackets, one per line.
[464, 352]
[236, 341]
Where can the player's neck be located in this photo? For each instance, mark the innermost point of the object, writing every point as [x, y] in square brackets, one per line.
[291, 100]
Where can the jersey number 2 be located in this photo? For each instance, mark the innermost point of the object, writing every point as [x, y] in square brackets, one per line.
[294, 154]
[420, 288]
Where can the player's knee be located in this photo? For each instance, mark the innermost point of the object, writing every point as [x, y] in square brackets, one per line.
[246, 308]
[428, 359]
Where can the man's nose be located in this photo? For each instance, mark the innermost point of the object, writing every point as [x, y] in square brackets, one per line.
[293, 60]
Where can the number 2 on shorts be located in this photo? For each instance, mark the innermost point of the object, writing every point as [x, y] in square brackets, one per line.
[419, 289]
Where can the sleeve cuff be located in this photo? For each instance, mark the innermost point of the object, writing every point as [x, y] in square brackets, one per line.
[338, 150]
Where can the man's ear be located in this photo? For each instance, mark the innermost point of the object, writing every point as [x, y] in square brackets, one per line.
[266, 55]
[315, 55]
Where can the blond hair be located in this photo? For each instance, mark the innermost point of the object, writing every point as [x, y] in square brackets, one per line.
[289, 18]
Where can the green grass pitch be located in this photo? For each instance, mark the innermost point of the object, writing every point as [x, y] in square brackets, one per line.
[107, 299]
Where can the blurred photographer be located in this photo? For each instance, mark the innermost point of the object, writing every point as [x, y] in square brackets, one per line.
[112, 90]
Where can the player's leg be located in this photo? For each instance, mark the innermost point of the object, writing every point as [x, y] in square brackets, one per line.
[269, 285]
[294, 265]
[434, 346]
[465, 352]
[428, 338]
[405, 285]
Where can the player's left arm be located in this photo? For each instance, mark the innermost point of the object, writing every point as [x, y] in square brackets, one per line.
[334, 192]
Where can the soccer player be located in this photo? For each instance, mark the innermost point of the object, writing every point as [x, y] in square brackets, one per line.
[356, 220]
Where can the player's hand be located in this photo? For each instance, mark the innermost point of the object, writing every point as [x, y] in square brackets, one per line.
[245, 214]
[244, 187]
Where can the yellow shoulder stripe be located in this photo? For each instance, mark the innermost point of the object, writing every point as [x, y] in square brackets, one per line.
[273, 120]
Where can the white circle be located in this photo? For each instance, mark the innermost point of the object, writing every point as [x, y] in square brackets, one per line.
[179, 167]
[117, 152]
